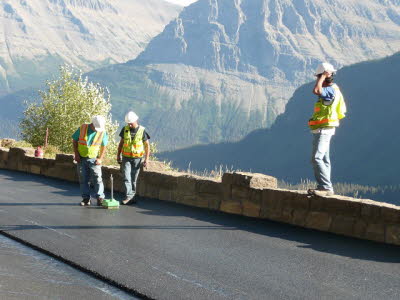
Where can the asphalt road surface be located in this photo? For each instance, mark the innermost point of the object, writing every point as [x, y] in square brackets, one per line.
[168, 251]
[29, 274]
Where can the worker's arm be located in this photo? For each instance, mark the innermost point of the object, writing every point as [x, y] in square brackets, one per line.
[120, 145]
[99, 159]
[77, 157]
[147, 152]
[318, 85]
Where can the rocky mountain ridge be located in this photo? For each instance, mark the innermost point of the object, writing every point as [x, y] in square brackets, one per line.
[245, 58]
[37, 36]
[273, 36]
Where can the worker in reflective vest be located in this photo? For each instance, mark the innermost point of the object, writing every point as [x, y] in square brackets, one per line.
[328, 110]
[135, 149]
[89, 143]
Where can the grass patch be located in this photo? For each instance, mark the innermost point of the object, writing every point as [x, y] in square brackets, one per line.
[382, 193]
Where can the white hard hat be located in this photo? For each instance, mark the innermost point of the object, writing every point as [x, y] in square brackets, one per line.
[99, 123]
[324, 67]
[131, 117]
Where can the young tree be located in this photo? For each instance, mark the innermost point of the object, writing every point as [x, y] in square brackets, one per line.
[69, 101]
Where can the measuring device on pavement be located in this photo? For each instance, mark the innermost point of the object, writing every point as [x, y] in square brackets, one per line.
[111, 203]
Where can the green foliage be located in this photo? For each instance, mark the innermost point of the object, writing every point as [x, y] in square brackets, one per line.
[153, 150]
[69, 101]
[21, 144]
[50, 151]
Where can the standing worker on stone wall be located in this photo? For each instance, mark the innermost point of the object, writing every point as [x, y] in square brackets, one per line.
[90, 141]
[134, 145]
[328, 110]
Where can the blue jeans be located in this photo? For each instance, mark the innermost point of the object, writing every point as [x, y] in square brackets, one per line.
[130, 168]
[321, 161]
[90, 175]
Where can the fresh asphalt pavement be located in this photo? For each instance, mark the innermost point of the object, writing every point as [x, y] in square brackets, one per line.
[28, 274]
[169, 251]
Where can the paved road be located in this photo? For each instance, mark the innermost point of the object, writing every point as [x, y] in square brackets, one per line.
[29, 274]
[168, 251]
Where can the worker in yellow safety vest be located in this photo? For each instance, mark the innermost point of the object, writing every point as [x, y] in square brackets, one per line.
[135, 149]
[89, 143]
[328, 110]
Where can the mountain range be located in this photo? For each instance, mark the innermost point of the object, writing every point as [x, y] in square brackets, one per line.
[37, 36]
[226, 67]
[364, 149]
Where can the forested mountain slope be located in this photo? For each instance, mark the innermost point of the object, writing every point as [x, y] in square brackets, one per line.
[364, 150]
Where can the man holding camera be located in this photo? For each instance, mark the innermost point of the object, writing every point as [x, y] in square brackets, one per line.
[328, 110]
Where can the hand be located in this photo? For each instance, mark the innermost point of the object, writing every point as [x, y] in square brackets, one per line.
[327, 74]
[145, 163]
[98, 161]
[119, 160]
[77, 158]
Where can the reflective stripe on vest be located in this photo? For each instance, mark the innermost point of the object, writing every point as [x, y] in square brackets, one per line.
[89, 151]
[83, 134]
[328, 115]
[324, 121]
[133, 147]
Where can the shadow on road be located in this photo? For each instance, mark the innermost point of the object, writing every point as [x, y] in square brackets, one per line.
[307, 238]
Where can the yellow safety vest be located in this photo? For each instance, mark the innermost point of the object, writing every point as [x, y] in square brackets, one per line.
[89, 151]
[133, 147]
[328, 115]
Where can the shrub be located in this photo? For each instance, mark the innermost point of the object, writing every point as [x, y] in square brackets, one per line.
[69, 101]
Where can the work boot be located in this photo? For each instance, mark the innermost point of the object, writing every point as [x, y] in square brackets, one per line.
[100, 201]
[85, 202]
[127, 201]
[323, 193]
[320, 193]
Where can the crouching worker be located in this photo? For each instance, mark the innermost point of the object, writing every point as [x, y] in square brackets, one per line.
[135, 149]
[90, 141]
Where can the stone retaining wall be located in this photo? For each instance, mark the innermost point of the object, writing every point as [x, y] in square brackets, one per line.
[248, 194]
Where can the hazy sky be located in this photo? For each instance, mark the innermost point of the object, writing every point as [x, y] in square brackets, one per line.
[182, 2]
